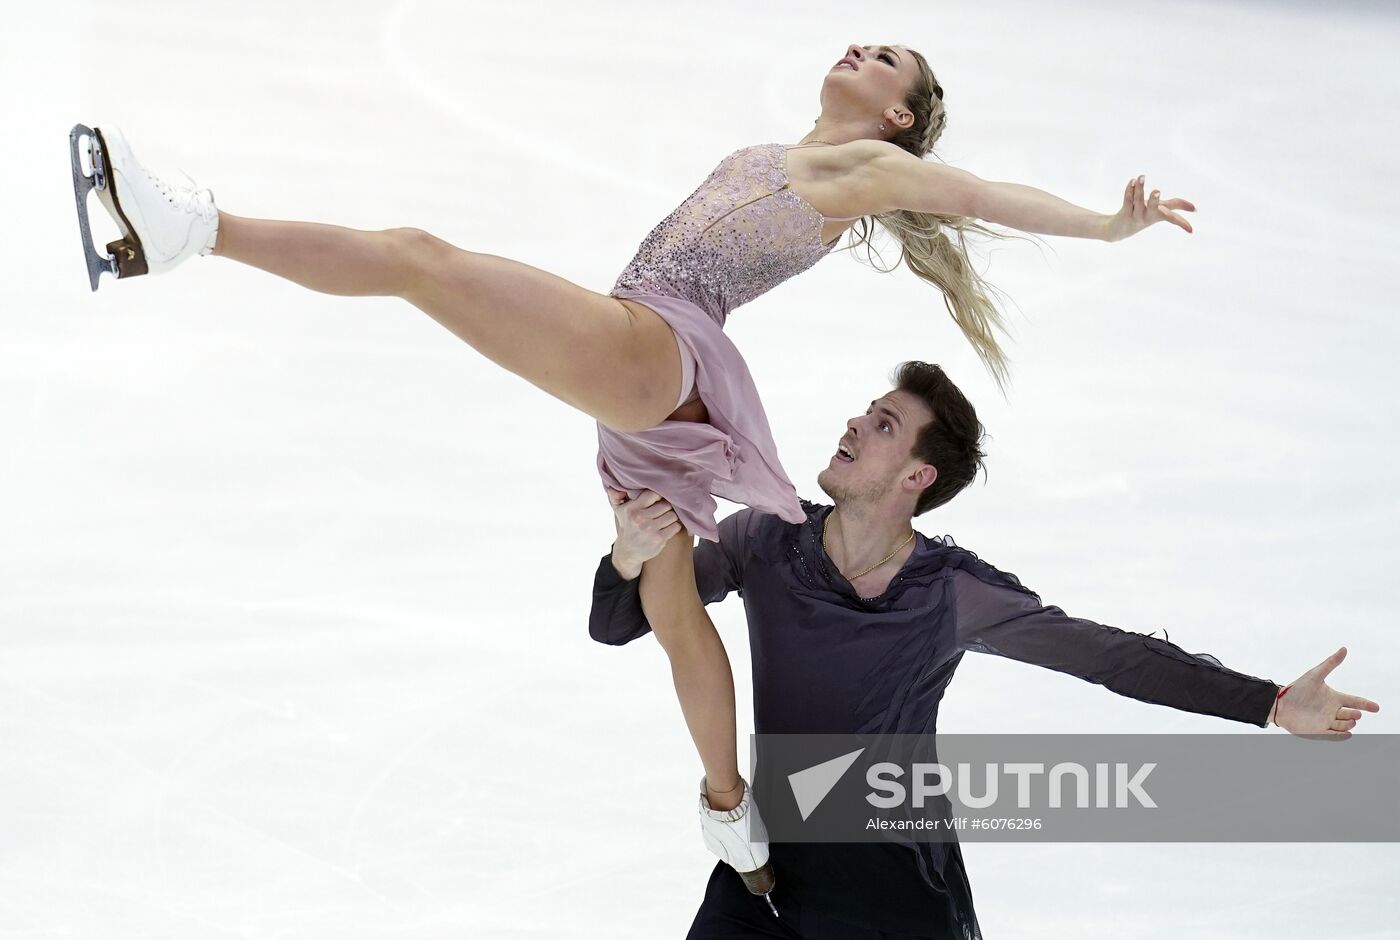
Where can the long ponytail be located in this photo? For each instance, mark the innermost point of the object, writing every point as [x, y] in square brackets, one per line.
[925, 245]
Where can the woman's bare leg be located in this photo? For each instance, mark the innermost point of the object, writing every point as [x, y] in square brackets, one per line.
[613, 359]
[699, 665]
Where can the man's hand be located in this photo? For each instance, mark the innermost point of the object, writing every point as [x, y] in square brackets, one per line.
[1312, 707]
[644, 526]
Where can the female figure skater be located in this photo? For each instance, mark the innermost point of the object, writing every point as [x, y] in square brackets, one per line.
[677, 410]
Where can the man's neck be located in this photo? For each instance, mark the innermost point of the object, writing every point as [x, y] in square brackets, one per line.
[858, 537]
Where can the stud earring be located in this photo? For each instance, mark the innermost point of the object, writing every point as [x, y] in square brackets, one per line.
[882, 125]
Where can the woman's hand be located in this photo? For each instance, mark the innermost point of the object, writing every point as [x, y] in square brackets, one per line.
[644, 526]
[1138, 214]
[1312, 707]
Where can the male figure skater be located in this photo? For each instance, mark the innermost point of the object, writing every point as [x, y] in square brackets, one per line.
[856, 625]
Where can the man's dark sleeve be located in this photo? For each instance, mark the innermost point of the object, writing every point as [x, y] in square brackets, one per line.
[997, 615]
[617, 618]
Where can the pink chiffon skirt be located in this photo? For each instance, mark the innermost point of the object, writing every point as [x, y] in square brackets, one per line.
[688, 462]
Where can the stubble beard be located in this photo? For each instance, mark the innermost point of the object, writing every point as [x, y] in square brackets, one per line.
[851, 494]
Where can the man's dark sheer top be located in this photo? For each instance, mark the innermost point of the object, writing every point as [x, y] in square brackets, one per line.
[828, 661]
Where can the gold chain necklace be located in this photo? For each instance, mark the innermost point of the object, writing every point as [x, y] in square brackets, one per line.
[872, 567]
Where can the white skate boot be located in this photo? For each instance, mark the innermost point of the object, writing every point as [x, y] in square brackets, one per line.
[730, 834]
[161, 225]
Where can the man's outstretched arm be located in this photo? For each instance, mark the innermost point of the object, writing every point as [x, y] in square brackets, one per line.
[616, 616]
[997, 615]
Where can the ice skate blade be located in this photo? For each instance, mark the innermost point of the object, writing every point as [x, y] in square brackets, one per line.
[759, 881]
[126, 258]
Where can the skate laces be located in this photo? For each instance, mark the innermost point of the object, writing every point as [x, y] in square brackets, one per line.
[189, 198]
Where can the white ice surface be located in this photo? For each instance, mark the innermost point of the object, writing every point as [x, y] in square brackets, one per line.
[293, 587]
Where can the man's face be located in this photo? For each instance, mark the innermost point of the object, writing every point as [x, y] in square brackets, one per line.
[874, 459]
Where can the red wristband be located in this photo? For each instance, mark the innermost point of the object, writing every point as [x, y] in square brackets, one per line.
[1281, 693]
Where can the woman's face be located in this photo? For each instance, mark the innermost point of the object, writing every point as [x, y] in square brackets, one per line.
[868, 80]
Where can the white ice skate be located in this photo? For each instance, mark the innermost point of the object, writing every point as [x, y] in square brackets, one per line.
[731, 835]
[161, 225]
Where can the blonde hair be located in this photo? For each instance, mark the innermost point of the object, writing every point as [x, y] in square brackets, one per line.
[925, 246]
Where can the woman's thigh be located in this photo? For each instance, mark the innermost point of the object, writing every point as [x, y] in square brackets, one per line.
[616, 360]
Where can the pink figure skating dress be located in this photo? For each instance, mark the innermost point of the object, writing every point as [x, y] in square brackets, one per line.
[740, 234]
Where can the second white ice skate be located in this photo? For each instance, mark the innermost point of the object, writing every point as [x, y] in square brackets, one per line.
[161, 225]
[737, 836]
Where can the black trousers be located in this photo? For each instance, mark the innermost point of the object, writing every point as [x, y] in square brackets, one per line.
[729, 912]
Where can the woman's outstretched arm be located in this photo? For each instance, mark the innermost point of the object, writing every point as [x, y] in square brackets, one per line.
[890, 179]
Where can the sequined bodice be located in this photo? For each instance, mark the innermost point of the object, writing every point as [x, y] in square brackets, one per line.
[740, 234]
